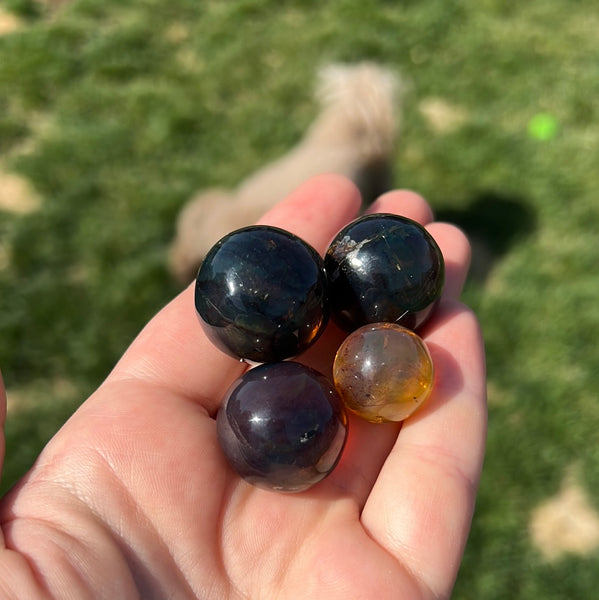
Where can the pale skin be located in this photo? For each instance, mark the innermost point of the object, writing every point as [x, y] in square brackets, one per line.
[133, 498]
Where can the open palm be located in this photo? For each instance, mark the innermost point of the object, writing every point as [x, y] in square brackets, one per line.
[133, 498]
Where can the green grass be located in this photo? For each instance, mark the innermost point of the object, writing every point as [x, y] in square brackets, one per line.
[116, 112]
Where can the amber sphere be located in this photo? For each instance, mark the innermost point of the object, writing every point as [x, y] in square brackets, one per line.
[383, 372]
[282, 426]
[261, 294]
[383, 268]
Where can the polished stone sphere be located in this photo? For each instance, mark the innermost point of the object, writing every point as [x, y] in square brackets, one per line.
[282, 426]
[261, 294]
[383, 372]
[383, 268]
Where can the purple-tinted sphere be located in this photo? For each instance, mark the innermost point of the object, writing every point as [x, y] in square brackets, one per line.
[282, 426]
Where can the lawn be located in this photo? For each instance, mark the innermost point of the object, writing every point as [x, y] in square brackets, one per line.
[112, 114]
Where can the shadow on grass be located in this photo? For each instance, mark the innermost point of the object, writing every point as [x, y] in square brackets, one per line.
[493, 223]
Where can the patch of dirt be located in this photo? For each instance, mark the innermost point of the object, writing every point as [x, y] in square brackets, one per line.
[441, 116]
[26, 398]
[16, 195]
[9, 23]
[566, 523]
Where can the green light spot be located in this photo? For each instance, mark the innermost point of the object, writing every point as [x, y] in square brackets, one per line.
[543, 127]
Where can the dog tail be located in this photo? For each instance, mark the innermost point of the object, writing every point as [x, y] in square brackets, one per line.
[368, 95]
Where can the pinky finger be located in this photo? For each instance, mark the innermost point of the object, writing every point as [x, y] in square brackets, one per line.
[455, 248]
[421, 506]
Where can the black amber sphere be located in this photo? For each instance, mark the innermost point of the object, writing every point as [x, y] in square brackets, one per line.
[261, 294]
[282, 426]
[383, 268]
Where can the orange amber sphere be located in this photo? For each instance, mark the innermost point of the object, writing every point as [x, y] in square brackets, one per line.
[383, 372]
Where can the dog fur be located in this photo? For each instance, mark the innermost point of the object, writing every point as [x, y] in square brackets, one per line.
[354, 135]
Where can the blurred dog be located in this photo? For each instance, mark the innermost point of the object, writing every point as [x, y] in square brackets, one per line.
[354, 135]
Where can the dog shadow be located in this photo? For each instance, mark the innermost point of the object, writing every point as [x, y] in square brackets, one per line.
[494, 223]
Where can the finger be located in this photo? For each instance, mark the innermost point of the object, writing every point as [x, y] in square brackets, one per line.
[321, 355]
[172, 350]
[317, 210]
[454, 245]
[455, 249]
[421, 505]
[358, 470]
[403, 202]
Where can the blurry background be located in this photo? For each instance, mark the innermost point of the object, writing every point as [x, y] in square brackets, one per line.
[112, 114]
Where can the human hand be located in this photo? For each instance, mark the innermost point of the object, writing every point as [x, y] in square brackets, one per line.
[133, 497]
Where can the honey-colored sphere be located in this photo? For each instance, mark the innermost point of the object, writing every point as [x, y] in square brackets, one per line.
[383, 372]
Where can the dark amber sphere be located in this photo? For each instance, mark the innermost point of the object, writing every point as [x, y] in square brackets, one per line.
[282, 426]
[383, 268]
[383, 372]
[261, 294]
